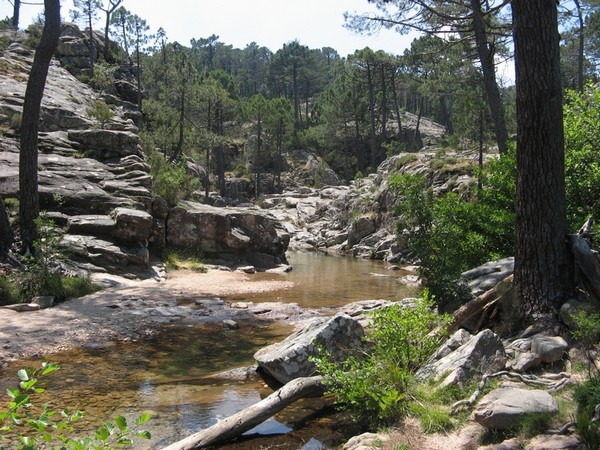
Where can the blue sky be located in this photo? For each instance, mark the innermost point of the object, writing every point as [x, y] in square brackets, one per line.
[272, 23]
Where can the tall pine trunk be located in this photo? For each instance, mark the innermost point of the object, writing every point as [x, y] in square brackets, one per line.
[542, 270]
[29, 201]
[486, 58]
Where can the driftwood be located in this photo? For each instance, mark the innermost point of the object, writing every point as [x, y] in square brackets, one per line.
[248, 418]
[587, 262]
[479, 304]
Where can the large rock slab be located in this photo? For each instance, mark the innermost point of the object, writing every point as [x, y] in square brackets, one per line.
[289, 359]
[488, 275]
[236, 235]
[482, 353]
[506, 407]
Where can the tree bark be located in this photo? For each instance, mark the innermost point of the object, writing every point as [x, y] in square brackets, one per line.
[6, 236]
[580, 48]
[372, 136]
[486, 58]
[248, 418]
[16, 13]
[29, 204]
[113, 5]
[543, 273]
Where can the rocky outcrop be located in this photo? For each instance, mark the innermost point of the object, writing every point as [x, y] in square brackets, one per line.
[93, 182]
[464, 357]
[234, 235]
[289, 359]
[358, 219]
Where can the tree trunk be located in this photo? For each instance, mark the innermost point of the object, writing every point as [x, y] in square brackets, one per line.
[250, 417]
[297, 113]
[384, 108]
[16, 13]
[373, 140]
[113, 4]
[29, 202]
[92, 46]
[543, 272]
[396, 104]
[6, 236]
[580, 47]
[445, 115]
[486, 58]
[257, 163]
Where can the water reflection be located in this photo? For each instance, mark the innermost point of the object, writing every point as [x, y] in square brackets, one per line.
[332, 281]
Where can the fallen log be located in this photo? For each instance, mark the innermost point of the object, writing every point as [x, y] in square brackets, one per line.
[239, 423]
[587, 261]
[478, 304]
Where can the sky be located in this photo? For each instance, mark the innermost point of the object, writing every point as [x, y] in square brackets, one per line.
[269, 23]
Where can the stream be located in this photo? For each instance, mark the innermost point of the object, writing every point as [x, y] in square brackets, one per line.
[167, 375]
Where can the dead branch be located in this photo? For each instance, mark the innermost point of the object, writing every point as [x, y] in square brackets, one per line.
[478, 304]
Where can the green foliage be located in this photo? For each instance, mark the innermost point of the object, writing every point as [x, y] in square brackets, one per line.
[582, 159]
[587, 333]
[103, 77]
[41, 274]
[9, 293]
[15, 121]
[588, 328]
[34, 33]
[433, 418]
[375, 388]
[533, 424]
[449, 234]
[171, 181]
[39, 427]
[101, 112]
[587, 396]
[180, 259]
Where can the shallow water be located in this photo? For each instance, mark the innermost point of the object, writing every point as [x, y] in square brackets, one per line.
[167, 375]
[331, 281]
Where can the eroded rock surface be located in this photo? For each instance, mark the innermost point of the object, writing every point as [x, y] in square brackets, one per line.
[340, 336]
[506, 407]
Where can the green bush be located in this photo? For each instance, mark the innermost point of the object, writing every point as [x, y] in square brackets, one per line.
[582, 159]
[37, 426]
[101, 112]
[451, 234]
[587, 396]
[171, 181]
[41, 272]
[375, 388]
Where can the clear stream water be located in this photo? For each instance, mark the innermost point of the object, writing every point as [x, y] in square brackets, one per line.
[167, 375]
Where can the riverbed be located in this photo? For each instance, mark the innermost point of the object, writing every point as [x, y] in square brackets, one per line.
[169, 373]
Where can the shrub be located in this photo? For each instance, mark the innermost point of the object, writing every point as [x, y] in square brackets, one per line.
[587, 396]
[101, 112]
[582, 159]
[171, 180]
[37, 426]
[449, 234]
[374, 387]
[41, 274]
